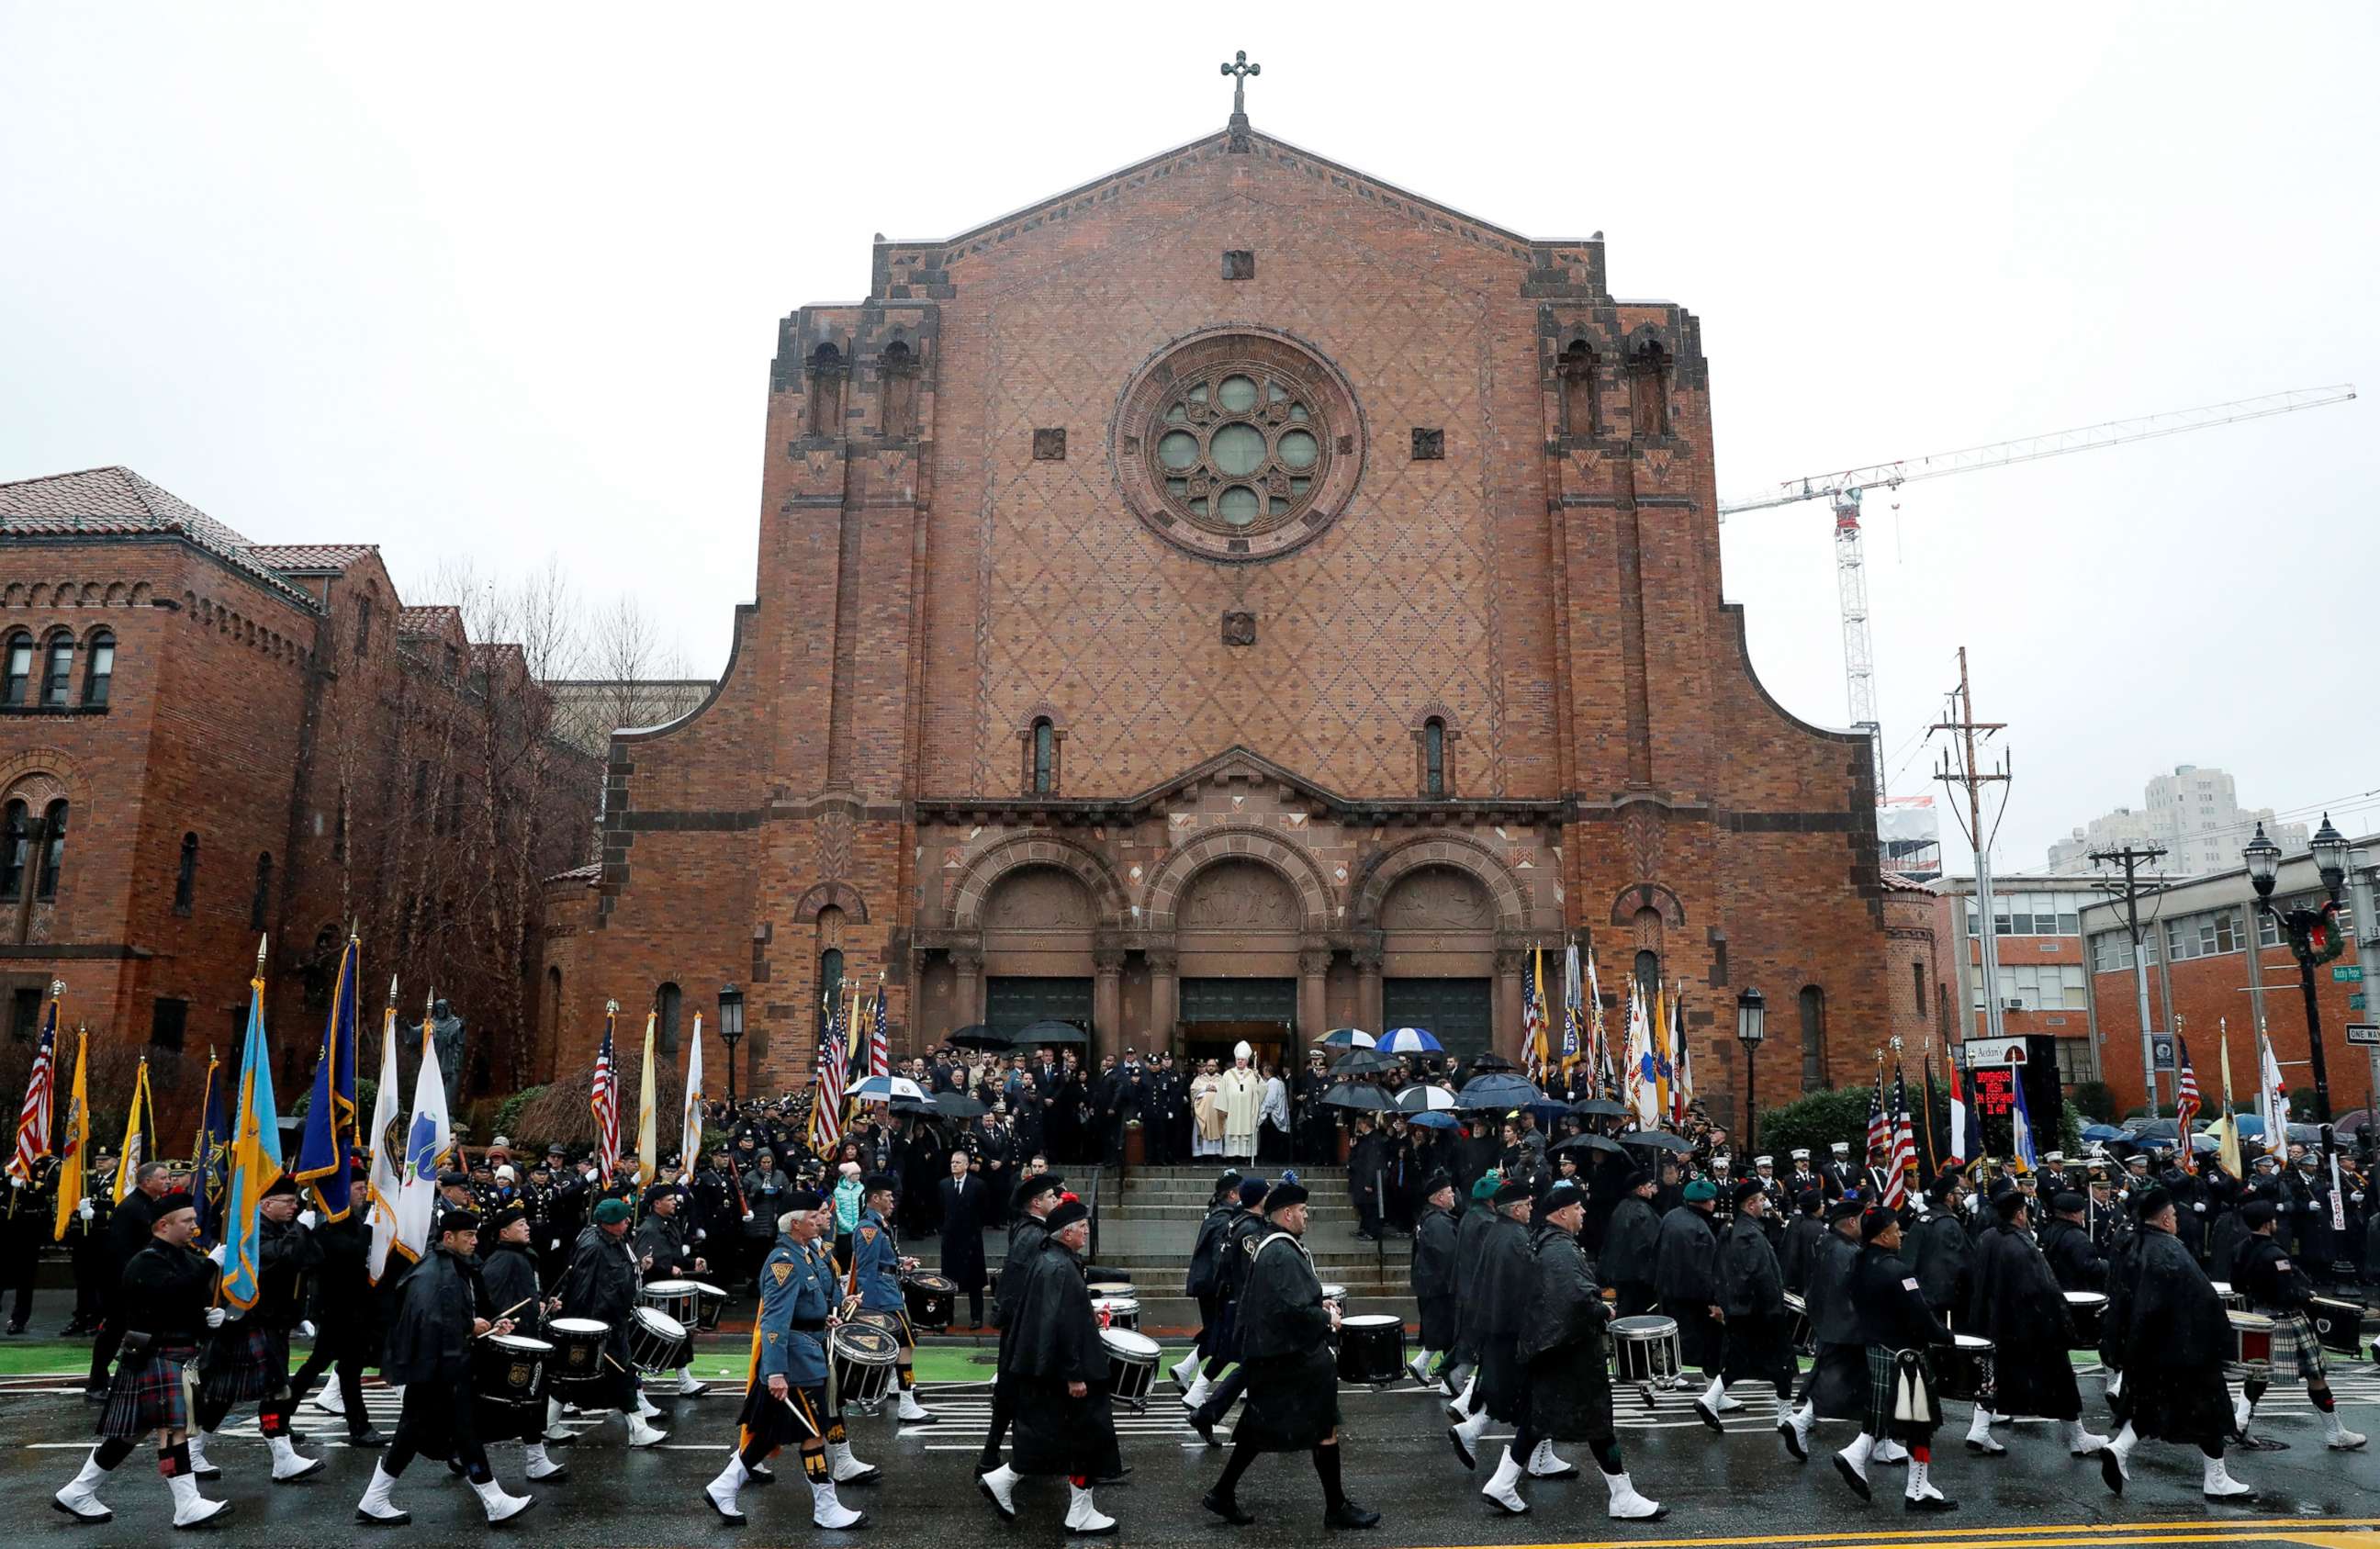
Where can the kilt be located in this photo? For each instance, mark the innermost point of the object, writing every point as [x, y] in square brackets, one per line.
[1503, 1380]
[1437, 1322]
[1292, 1402]
[1759, 1349]
[774, 1422]
[2177, 1404]
[1837, 1385]
[151, 1393]
[2297, 1349]
[1884, 1372]
[244, 1360]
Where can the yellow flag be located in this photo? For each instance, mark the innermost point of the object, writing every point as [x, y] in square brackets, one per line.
[649, 1155]
[138, 1123]
[2227, 1129]
[73, 1139]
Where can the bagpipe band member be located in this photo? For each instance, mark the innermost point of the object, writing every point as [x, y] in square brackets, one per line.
[1495, 1287]
[1065, 1417]
[2174, 1335]
[248, 1358]
[1898, 1330]
[1035, 1197]
[2017, 1303]
[602, 1284]
[1758, 1336]
[509, 1272]
[876, 1270]
[1836, 1388]
[2278, 1285]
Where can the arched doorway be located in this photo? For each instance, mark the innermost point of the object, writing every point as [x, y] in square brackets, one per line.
[1237, 927]
[1036, 950]
[1438, 958]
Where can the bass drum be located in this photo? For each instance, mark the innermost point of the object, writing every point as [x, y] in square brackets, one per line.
[933, 1300]
[506, 1370]
[577, 1349]
[656, 1342]
[2087, 1311]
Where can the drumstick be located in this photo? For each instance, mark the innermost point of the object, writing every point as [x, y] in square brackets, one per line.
[502, 1316]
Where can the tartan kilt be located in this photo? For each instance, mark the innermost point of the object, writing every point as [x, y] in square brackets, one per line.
[2297, 1349]
[149, 1394]
[244, 1361]
[1883, 1372]
[777, 1423]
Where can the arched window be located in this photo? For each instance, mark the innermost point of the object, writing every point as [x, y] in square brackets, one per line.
[897, 387]
[53, 850]
[826, 390]
[1917, 978]
[1578, 390]
[830, 986]
[1814, 1038]
[1045, 756]
[554, 1007]
[322, 969]
[16, 851]
[1433, 757]
[1648, 392]
[186, 875]
[19, 668]
[260, 902]
[363, 620]
[99, 670]
[666, 1000]
[57, 670]
[1649, 973]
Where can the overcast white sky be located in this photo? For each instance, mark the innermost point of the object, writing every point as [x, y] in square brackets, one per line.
[506, 280]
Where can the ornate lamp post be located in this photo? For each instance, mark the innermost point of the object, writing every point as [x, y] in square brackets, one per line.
[1751, 1027]
[731, 1031]
[2314, 939]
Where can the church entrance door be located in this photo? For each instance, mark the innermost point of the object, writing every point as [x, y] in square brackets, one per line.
[1218, 1013]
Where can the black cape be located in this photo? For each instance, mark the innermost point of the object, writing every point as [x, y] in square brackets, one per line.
[1492, 1313]
[1752, 1290]
[2016, 1303]
[1942, 1256]
[429, 1341]
[1800, 1254]
[1562, 1344]
[1432, 1276]
[1628, 1243]
[1051, 1339]
[1685, 1275]
[2173, 1338]
[1293, 1395]
[510, 1274]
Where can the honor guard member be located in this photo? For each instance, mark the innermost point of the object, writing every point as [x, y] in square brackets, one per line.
[1432, 1271]
[1841, 1176]
[1800, 1176]
[1035, 1197]
[162, 1308]
[1293, 1374]
[787, 1396]
[1780, 1201]
[1899, 1331]
[1493, 1320]
[602, 1284]
[665, 1249]
[346, 1316]
[509, 1269]
[249, 1359]
[1759, 1337]
[1064, 1422]
[2017, 1303]
[2172, 1336]
[1203, 1283]
[2052, 1176]
[441, 1308]
[1562, 1320]
[2279, 1287]
[876, 1270]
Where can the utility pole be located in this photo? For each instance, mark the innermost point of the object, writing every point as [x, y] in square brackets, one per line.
[2132, 858]
[1958, 768]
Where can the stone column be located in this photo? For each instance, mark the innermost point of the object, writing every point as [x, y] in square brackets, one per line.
[1313, 975]
[1511, 963]
[1164, 992]
[1107, 997]
[1368, 1012]
[966, 995]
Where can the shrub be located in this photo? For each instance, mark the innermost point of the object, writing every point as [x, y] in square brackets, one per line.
[2097, 1099]
[508, 1115]
[366, 1093]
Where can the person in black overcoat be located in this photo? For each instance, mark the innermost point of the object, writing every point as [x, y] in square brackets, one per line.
[962, 1214]
[1433, 1271]
[1942, 1253]
[1836, 1388]
[2174, 1335]
[1685, 1278]
[1797, 1254]
[1631, 1242]
[1758, 1332]
[2018, 1305]
[1064, 1420]
[2066, 1243]
[1293, 1375]
[1491, 1320]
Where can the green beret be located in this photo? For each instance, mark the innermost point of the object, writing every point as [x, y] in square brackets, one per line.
[1701, 1189]
[611, 1212]
[1486, 1187]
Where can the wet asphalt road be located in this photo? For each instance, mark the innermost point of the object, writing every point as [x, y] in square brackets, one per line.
[1741, 1489]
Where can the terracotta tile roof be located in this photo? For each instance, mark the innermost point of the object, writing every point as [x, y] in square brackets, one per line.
[432, 618]
[311, 556]
[118, 502]
[590, 874]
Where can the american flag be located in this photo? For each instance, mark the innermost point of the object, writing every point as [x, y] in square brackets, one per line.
[1532, 1017]
[33, 1121]
[879, 1039]
[604, 1098]
[1905, 1143]
[826, 1102]
[1879, 1129]
[2185, 1099]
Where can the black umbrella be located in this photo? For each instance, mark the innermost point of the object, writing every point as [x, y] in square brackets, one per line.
[1350, 1095]
[1363, 1062]
[976, 1035]
[1051, 1033]
[1599, 1107]
[1591, 1142]
[1498, 1091]
[1488, 1063]
[957, 1105]
[1658, 1140]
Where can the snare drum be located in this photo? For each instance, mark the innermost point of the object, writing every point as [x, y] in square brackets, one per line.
[2087, 1310]
[577, 1349]
[888, 1324]
[1643, 1349]
[1116, 1311]
[506, 1368]
[1110, 1287]
[1372, 1349]
[656, 1342]
[2251, 1347]
[680, 1299]
[1802, 1340]
[1963, 1370]
[1334, 1293]
[933, 1300]
[860, 1358]
[2235, 1300]
[2338, 1324]
[711, 1298]
[1131, 1365]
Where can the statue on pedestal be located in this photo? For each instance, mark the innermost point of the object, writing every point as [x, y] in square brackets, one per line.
[446, 1036]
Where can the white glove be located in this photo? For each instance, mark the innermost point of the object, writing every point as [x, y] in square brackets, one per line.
[748, 1214]
[306, 1218]
[15, 1181]
[214, 1317]
[306, 1326]
[2199, 1205]
[84, 1209]
[699, 1234]
[553, 1245]
[218, 1253]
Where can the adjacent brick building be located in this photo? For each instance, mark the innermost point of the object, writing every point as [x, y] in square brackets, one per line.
[2042, 987]
[1234, 597]
[204, 740]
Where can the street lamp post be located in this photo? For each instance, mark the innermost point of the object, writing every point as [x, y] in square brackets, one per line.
[1750, 1026]
[731, 1031]
[2314, 939]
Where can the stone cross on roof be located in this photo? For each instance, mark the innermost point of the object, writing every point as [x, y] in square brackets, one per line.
[1239, 70]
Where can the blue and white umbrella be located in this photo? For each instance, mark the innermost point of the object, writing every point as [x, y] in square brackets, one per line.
[887, 1089]
[1425, 1099]
[1410, 1040]
[1347, 1037]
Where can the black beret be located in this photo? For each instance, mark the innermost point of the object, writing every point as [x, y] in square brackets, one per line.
[2066, 1200]
[2258, 1213]
[1228, 1179]
[1845, 1209]
[1941, 1186]
[458, 1220]
[1876, 1221]
[1066, 1214]
[1441, 1178]
[1747, 1189]
[177, 1199]
[450, 1179]
[284, 1184]
[1812, 1200]
[1637, 1177]
[1564, 1193]
[802, 1202]
[2154, 1198]
[2008, 1204]
[1511, 1193]
[1283, 1195]
[881, 1183]
[1039, 1183]
[506, 1216]
[1252, 1192]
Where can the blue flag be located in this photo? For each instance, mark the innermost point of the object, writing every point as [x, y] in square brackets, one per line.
[208, 1156]
[330, 1137]
[255, 1158]
[2022, 1118]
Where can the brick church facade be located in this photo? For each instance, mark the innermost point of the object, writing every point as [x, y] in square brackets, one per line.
[1234, 598]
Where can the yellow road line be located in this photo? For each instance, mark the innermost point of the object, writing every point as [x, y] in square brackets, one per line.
[2324, 1533]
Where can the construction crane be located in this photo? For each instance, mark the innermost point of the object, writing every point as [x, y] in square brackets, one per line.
[1844, 489]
